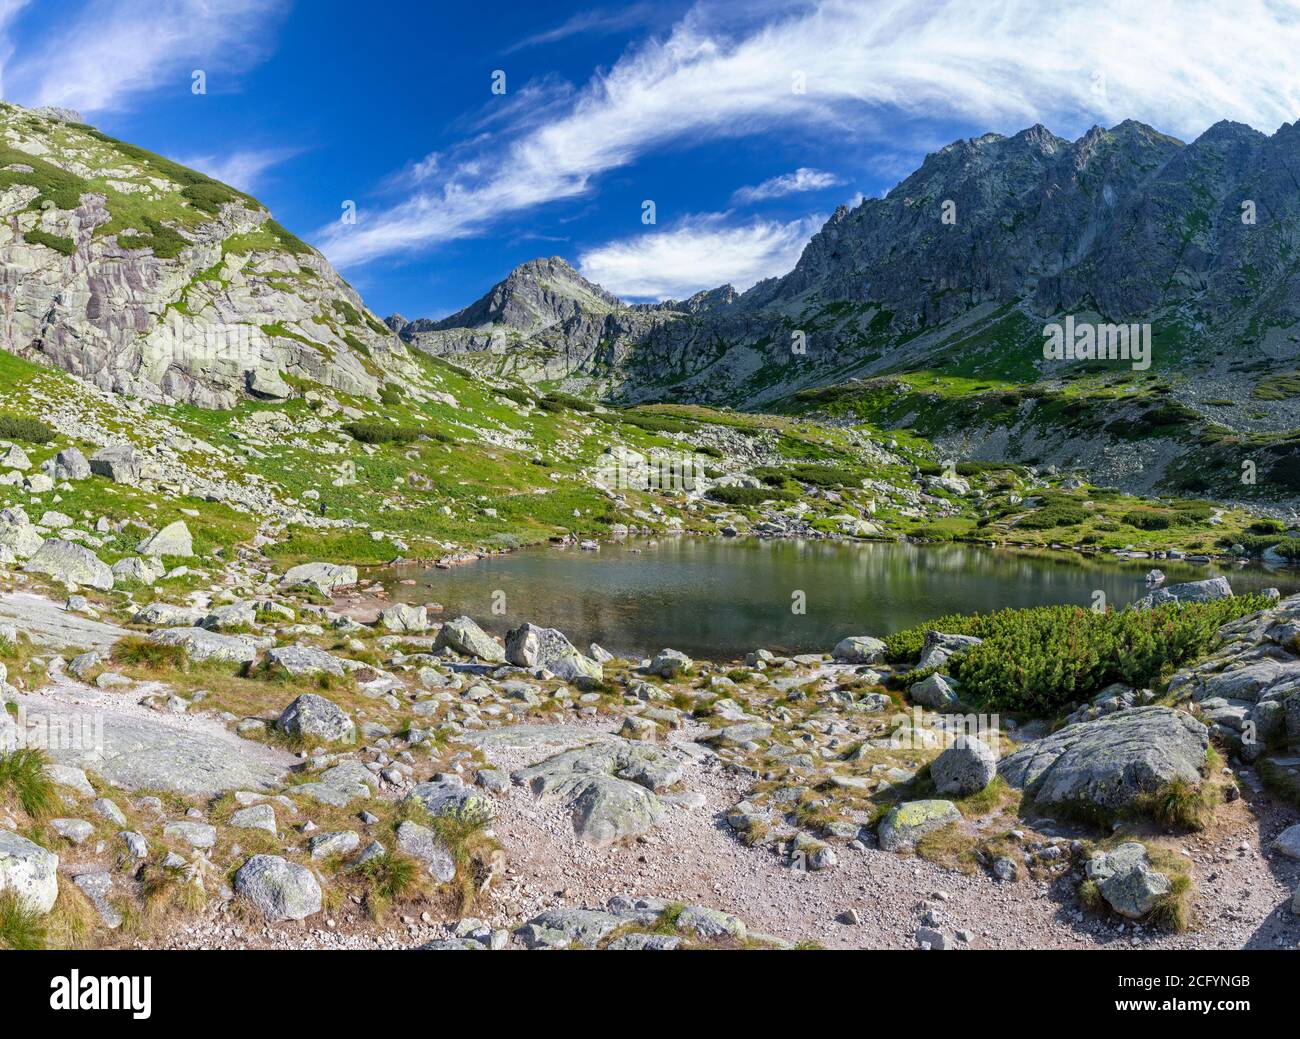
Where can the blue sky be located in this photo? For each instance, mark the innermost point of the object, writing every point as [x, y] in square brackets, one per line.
[745, 123]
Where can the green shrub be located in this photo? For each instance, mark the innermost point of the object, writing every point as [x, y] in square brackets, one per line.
[20, 427]
[826, 475]
[1054, 516]
[1150, 520]
[1048, 658]
[749, 496]
[377, 431]
[21, 929]
[66, 246]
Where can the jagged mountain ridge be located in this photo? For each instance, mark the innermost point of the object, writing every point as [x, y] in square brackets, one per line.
[1128, 224]
[151, 279]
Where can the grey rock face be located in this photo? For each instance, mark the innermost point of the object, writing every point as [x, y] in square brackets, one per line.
[1111, 762]
[29, 872]
[70, 464]
[670, 663]
[120, 463]
[146, 751]
[173, 540]
[463, 636]
[534, 647]
[935, 691]
[938, 647]
[304, 660]
[72, 564]
[967, 767]
[609, 785]
[200, 644]
[312, 716]
[1127, 881]
[404, 617]
[1194, 591]
[255, 817]
[278, 889]
[859, 649]
[323, 577]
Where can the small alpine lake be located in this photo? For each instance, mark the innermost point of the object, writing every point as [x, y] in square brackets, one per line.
[718, 599]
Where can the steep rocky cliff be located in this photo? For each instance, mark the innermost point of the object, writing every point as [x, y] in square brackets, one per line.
[148, 278]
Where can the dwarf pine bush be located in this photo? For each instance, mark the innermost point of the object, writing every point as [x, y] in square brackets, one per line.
[1048, 658]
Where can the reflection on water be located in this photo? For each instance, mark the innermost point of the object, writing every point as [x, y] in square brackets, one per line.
[719, 599]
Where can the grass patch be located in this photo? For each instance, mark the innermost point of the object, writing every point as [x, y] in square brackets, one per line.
[22, 776]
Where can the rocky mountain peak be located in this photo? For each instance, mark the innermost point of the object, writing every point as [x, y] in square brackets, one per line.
[151, 279]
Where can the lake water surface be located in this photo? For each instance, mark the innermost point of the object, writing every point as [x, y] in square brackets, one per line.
[719, 599]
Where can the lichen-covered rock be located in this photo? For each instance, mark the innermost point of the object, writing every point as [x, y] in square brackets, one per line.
[28, 871]
[278, 889]
[939, 646]
[463, 636]
[1194, 591]
[858, 649]
[1126, 880]
[935, 691]
[72, 564]
[304, 660]
[609, 786]
[200, 644]
[907, 823]
[967, 767]
[322, 577]
[172, 540]
[534, 647]
[404, 617]
[1110, 763]
[314, 717]
[669, 663]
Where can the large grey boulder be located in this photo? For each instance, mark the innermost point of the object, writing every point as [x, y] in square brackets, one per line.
[278, 889]
[1194, 591]
[28, 871]
[404, 617]
[72, 564]
[304, 660]
[134, 570]
[938, 647]
[908, 822]
[14, 457]
[935, 691]
[21, 540]
[313, 717]
[70, 464]
[1288, 842]
[967, 767]
[669, 663]
[1112, 762]
[167, 615]
[446, 798]
[858, 649]
[200, 645]
[172, 540]
[323, 577]
[1126, 880]
[609, 786]
[534, 647]
[463, 636]
[121, 463]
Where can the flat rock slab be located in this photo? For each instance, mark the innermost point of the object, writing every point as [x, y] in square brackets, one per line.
[49, 624]
[546, 739]
[1109, 763]
[139, 749]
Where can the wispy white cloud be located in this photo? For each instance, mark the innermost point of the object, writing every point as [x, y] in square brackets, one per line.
[241, 169]
[9, 12]
[1178, 64]
[115, 49]
[701, 252]
[596, 21]
[802, 179]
